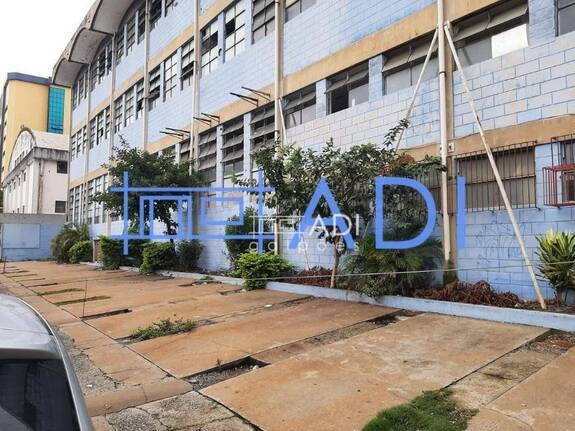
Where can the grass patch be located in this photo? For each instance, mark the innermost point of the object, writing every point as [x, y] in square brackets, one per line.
[79, 301]
[57, 292]
[162, 328]
[432, 411]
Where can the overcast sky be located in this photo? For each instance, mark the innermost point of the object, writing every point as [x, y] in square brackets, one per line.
[33, 33]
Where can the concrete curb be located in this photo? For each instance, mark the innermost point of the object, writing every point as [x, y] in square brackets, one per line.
[563, 322]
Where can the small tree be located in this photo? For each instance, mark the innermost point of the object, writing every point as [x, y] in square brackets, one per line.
[237, 247]
[146, 170]
[295, 173]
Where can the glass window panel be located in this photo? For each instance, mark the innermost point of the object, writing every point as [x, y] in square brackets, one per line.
[510, 40]
[397, 81]
[566, 19]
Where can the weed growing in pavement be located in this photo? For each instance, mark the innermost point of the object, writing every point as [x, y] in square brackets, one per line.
[162, 328]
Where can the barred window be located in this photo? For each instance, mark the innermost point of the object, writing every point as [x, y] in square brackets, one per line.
[155, 13]
[207, 154]
[233, 147]
[129, 107]
[118, 114]
[295, 7]
[403, 66]
[170, 76]
[299, 107]
[263, 129]
[516, 164]
[130, 34]
[141, 22]
[139, 99]
[235, 30]
[60, 207]
[559, 176]
[155, 88]
[565, 16]
[210, 50]
[348, 88]
[492, 33]
[187, 63]
[263, 18]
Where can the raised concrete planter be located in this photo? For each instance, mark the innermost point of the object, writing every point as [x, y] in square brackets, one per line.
[563, 322]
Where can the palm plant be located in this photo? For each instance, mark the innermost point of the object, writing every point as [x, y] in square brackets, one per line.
[367, 259]
[66, 238]
[557, 261]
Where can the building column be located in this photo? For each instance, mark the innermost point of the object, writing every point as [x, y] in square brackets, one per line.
[542, 21]
[376, 78]
[321, 99]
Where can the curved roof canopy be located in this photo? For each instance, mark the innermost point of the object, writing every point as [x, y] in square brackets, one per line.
[29, 139]
[103, 19]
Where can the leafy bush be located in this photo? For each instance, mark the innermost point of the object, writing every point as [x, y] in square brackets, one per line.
[237, 247]
[66, 238]
[112, 253]
[158, 256]
[557, 254]
[369, 260]
[81, 252]
[254, 268]
[163, 328]
[189, 253]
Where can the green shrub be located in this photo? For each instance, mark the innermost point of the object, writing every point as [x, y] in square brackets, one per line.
[158, 256]
[367, 259]
[111, 253]
[189, 253]
[255, 268]
[66, 238]
[81, 252]
[237, 247]
[557, 254]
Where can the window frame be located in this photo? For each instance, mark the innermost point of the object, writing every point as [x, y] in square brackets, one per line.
[267, 22]
[351, 79]
[155, 87]
[299, 4]
[239, 44]
[209, 47]
[297, 102]
[187, 61]
[170, 66]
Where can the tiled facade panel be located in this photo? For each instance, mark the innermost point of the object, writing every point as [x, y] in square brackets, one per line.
[526, 85]
[542, 22]
[174, 113]
[99, 155]
[133, 135]
[130, 64]
[330, 26]
[80, 113]
[171, 26]
[77, 167]
[101, 92]
[253, 68]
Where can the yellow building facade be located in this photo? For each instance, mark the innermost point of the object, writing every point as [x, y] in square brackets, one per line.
[32, 102]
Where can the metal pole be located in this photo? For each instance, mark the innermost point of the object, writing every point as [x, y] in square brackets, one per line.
[195, 85]
[278, 114]
[443, 133]
[85, 298]
[500, 184]
[145, 115]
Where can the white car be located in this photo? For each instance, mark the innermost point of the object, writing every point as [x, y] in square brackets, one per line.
[39, 390]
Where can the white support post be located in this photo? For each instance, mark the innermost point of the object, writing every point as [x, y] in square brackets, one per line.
[500, 184]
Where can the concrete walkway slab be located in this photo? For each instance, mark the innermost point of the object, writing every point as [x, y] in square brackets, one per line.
[234, 339]
[389, 365]
[202, 308]
[545, 400]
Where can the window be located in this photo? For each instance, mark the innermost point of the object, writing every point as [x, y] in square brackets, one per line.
[210, 48]
[403, 66]
[60, 207]
[263, 17]
[170, 5]
[233, 147]
[89, 202]
[73, 146]
[565, 16]
[263, 128]
[493, 33]
[118, 114]
[348, 88]
[142, 22]
[56, 101]
[97, 206]
[102, 66]
[185, 150]
[108, 123]
[516, 164]
[36, 396]
[84, 138]
[299, 107]
[120, 45]
[235, 30]
[154, 83]
[155, 13]
[559, 177]
[170, 76]
[187, 64]
[92, 133]
[295, 7]
[129, 107]
[139, 99]
[130, 34]
[62, 167]
[207, 148]
[101, 125]
[79, 92]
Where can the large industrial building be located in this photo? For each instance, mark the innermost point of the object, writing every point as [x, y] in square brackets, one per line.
[341, 69]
